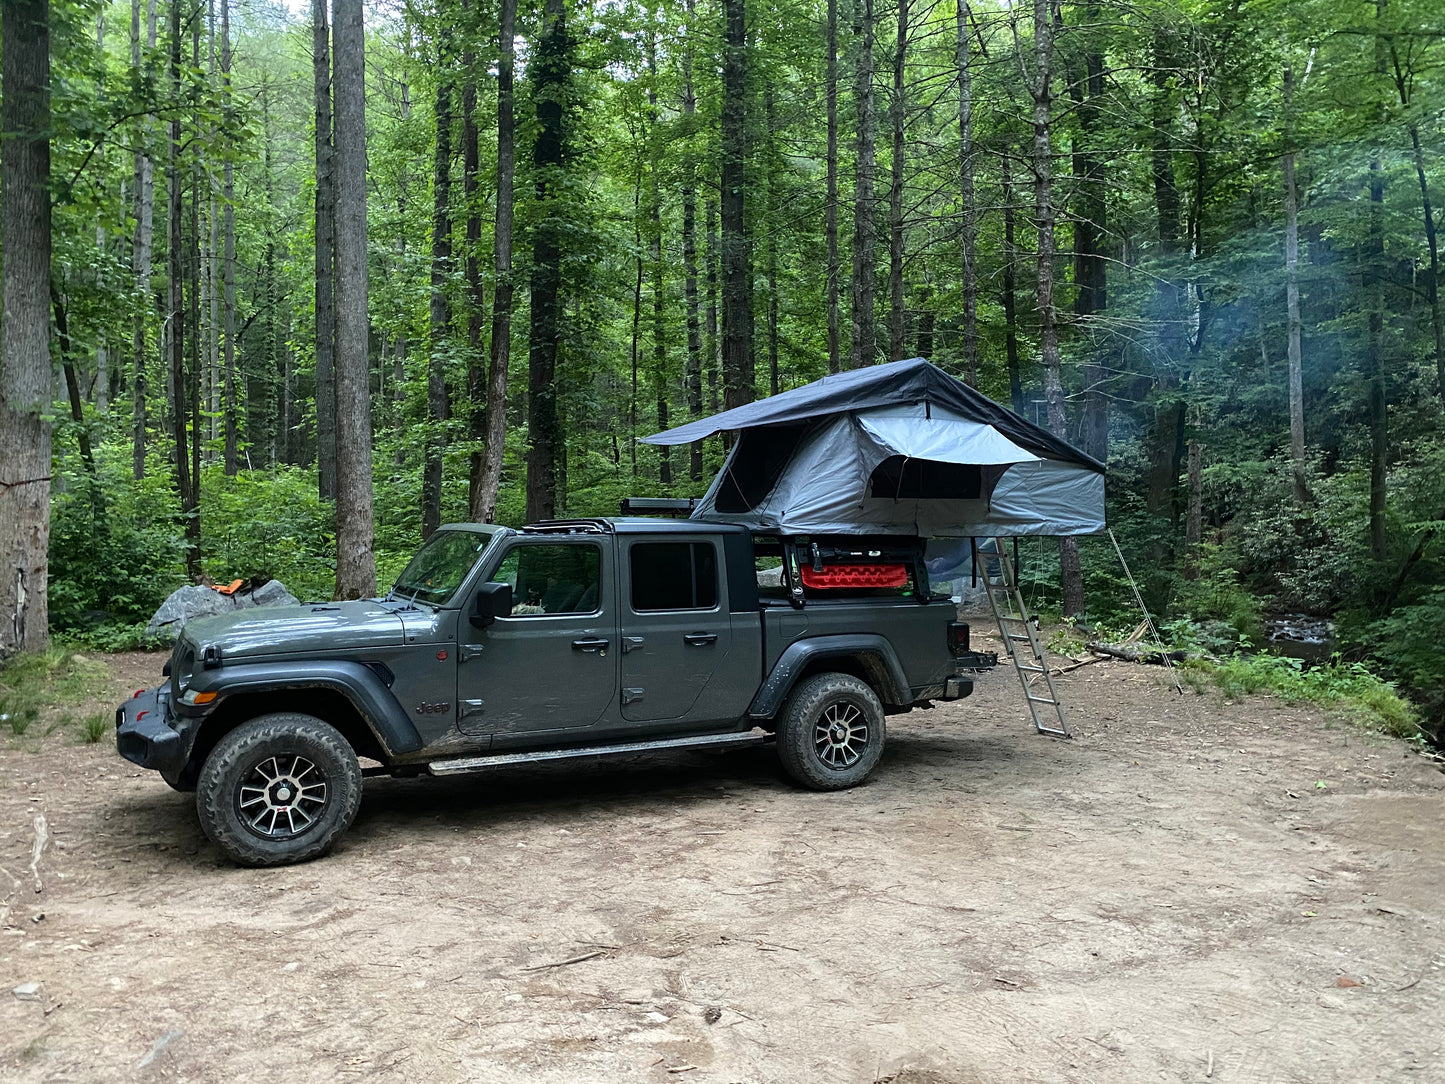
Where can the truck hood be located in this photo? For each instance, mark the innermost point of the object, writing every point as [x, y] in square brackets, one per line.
[291, 630]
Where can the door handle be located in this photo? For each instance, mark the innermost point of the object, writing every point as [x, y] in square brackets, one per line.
[590, 644]
[699, 639]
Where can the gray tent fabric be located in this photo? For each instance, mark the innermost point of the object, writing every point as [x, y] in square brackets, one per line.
[920, 453]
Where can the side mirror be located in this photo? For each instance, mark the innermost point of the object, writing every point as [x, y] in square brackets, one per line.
[493, 600]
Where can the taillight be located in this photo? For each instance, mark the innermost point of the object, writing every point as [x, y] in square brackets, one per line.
[957, 637]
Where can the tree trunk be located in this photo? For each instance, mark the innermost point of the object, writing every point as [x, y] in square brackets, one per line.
[968, 222]
[831, 209]
[175, 272]
[737, 274]
[713, 350]
[550, 68]
[1010, 292]
[897, 347]
[1040, 89]
[228, 260]
[864, 243]
[1090, 228]
[654, 214]
[689, 257]
[484, 505]
[1291, 289]
[1194, 519]
[25, 332]
[325, 211]
[141, 252]
[1432, 286]
[773, 227]
[476, 291]
[1374, 271]
[197, 373]
[441, 310]
[355, 544]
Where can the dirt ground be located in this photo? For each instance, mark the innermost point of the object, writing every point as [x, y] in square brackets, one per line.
[1190, 890]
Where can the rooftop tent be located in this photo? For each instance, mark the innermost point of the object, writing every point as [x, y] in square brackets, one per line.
[902, 448]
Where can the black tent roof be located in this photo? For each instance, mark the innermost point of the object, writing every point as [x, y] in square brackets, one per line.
[913, 381]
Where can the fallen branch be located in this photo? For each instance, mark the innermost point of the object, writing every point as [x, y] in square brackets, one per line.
[1138, 654]
[567, 963]
[42, 836]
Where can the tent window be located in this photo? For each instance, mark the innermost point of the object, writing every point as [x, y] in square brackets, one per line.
[903, 478]
[762, 454]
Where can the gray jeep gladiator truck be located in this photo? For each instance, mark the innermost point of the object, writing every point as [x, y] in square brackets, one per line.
[564, 639]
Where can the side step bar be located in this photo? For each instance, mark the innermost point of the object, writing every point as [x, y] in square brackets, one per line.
[462, 765]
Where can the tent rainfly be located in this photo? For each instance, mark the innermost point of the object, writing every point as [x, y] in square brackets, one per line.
[898, 449]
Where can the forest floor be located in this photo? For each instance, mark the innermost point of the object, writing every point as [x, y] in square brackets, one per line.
[1190, 890]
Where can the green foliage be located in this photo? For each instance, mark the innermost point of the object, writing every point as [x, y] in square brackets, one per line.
[1347, 687]
[1216, 594]
[29, 684]
[94, 728]
[268, 524]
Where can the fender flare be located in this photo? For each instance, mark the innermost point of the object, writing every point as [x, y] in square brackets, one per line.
[358, 683]
[799, 654]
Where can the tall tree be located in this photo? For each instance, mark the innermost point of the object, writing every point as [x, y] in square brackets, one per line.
[830, 211]
[659, 322]
[1040, 87]
[550, 70]
[1291, 286]
[175, 271]
[228, 256]
[864, 232]
[1086, 89]
[25, 330]
[1010, 288]
[737, 275]
[355, 543]
[325, 211]
[144, 210]
[898, 115]
[968, 216]
[441, 311]
[689, 250]
[484, 494]
[476, 289]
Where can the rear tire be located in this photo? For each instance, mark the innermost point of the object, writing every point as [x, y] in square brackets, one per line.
[831, 732]
[279, 789]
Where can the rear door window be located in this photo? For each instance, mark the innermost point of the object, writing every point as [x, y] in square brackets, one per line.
[673, 576]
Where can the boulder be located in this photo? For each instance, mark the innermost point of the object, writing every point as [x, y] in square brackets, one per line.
[273, 593]
[188, 603]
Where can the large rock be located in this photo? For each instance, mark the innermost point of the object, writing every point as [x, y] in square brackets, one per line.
[188, 603]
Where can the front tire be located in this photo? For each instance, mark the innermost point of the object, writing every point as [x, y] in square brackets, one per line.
[831, 732]
[279, 789]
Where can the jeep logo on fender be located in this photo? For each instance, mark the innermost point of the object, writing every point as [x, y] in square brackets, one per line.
[433, 709]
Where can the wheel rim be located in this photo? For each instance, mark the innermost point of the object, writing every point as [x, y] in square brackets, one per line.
[840, 736]
[282, 797]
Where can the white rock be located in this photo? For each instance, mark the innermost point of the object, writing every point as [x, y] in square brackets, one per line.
[27, 991]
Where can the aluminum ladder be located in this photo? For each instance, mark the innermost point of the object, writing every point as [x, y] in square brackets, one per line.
[1000, 581]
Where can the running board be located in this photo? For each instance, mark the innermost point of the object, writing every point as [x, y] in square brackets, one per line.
[463, 765]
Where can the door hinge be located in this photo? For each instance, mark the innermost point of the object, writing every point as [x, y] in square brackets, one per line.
[631, 696]
[470, 707]
[632, 643]
[466, 652]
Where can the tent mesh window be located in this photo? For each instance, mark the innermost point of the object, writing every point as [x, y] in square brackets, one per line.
[761, 457]
[900, 478]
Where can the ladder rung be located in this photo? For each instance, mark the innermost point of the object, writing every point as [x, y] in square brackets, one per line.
[1042, 699]
[1016, 637]
[1030, 669]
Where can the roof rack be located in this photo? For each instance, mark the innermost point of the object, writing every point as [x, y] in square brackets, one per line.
[658, 506]
[569, 526]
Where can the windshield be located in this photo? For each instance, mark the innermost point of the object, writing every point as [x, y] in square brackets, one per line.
[439, 567]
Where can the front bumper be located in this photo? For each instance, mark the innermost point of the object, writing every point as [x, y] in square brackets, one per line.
[144, 733]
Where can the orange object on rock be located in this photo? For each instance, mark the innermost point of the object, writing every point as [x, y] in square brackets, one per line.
[230, 589]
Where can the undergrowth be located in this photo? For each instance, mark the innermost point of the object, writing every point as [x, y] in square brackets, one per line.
[1346, 687]
[31, 683]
